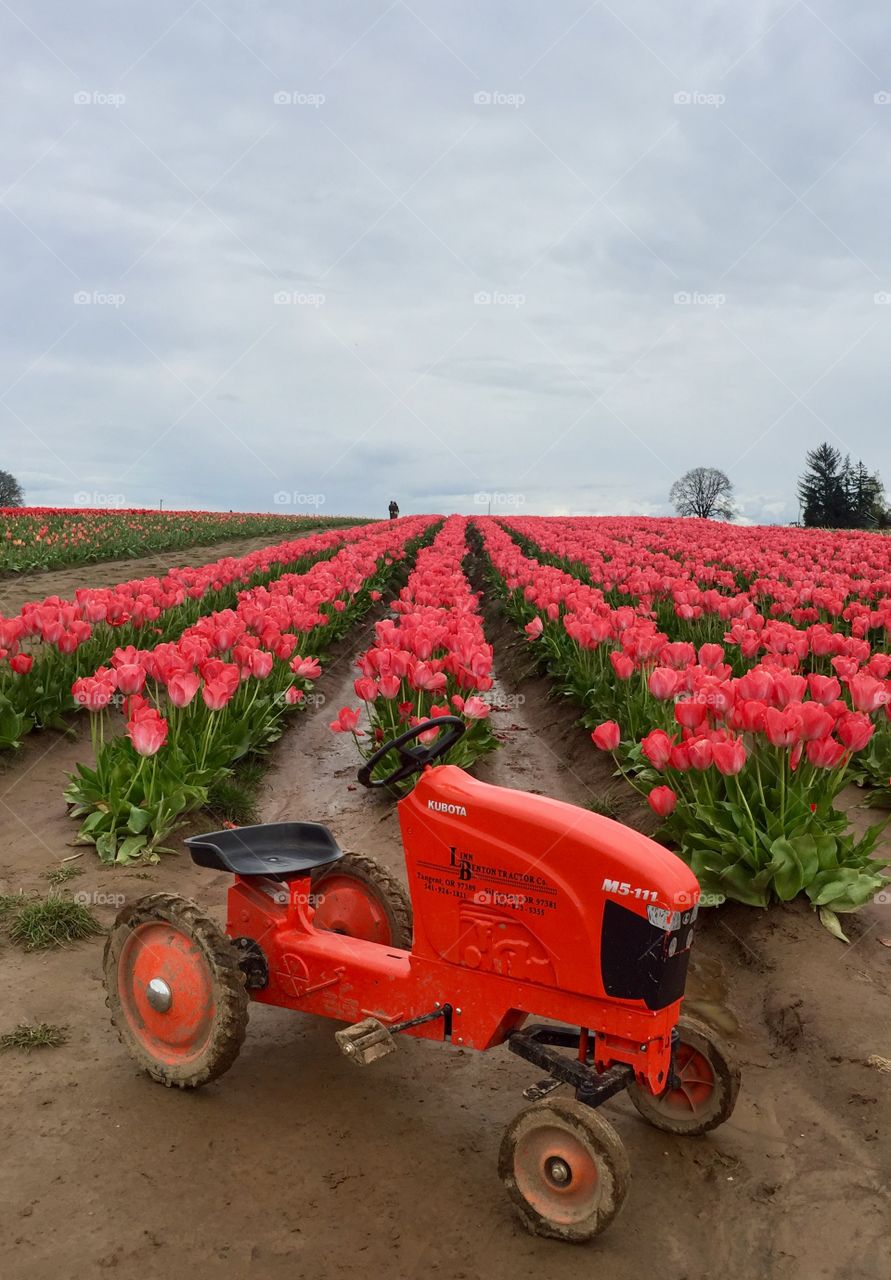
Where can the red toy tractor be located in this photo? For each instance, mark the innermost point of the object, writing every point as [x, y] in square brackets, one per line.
[524, 907]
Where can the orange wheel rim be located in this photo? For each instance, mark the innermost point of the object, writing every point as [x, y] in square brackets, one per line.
[695, 1091]
[556, 1174]
[346, 906]
[166, 992]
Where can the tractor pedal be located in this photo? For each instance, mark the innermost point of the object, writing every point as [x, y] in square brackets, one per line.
[541, 1090]
[364, 1042]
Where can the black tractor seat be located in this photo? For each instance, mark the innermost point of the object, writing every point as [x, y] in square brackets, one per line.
[277, 849]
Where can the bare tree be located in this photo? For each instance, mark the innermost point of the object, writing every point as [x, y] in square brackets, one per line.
[10, 491]
[705, 492]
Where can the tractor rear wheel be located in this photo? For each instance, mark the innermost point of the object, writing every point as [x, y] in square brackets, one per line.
[565, 1169]
[358, 897]
[175, 990]
[707, 1088]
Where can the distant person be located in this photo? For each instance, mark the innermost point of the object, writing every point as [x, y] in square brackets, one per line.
[393, 509]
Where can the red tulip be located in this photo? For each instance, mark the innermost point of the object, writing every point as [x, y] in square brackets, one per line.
[622, 665]
[662, 800]
[656, 746]
[855, 729]
[729, 757]
[690, 713]
[534, 628]
[825, 753]
[663, 682]
[823, 689]
[607, 736]
[783, 728]
[21, 663]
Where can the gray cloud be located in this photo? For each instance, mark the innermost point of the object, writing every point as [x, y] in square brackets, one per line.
[582, 197]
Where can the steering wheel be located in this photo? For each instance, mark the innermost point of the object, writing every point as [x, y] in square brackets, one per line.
[413, 759]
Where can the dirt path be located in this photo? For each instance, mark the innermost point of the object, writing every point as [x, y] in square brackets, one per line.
[18, 590]
[296, 1164]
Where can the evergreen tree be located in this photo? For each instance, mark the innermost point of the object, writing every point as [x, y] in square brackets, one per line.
[837, 493]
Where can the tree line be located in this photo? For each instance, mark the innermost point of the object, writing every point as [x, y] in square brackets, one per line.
[834, 493]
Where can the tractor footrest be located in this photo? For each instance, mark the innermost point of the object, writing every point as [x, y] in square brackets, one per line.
[364, 1042]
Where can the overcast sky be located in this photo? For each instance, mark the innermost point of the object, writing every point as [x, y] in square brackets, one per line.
[328, 253]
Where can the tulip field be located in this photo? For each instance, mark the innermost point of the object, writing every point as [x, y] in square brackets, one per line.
[44, 537]
[737, 677]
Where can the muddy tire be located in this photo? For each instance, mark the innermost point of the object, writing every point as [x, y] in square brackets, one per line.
[175, 990]
[360, 898]
[709, 1084]
[565, 1169]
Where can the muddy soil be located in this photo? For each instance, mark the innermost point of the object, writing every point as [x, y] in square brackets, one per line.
[24, 587]
[297, 1164]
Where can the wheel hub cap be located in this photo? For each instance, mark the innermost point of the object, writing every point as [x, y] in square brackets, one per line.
[558, 1171]
[159, 995]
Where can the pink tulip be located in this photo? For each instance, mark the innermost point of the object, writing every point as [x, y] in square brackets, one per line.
[729, 757]
[217, 694]
[346, 722]
[147, 731]
[534, 628]
[306, 668]
[476, 709]
[131, 677]
[366, 688]
[182, 687]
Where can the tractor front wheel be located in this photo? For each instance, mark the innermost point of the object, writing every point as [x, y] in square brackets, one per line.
[706, 1089]
[565, 1169]
[175, 990]
[358, 897]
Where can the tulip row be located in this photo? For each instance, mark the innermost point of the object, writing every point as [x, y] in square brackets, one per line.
[44, 537]
[841, 613]
[430, 660]
[49, 644]
[743, 769]
[195, 707]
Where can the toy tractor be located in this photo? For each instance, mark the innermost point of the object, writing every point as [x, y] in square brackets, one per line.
[531, 923]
